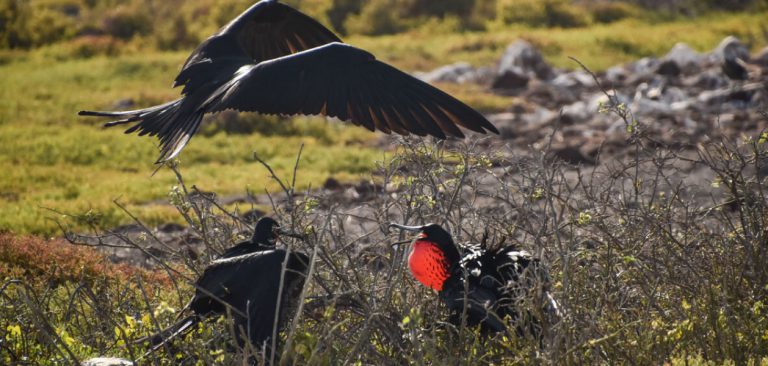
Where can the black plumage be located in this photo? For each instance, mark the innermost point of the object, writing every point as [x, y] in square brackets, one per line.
[265, 235]
[489, 287]
[734, 68]
[273, 59]
[245, 283]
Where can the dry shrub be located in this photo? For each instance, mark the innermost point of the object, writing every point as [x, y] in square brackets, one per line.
[609, 12]
[647, 266]
[57, 262]
[125, 22]
[656, 256]
[548, 13]
[94, 45]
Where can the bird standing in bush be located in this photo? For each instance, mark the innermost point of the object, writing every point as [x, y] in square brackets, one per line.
[492, 286]
[246, 283]
[273, 59]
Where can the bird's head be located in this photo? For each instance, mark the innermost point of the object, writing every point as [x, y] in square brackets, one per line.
[433, 254]
[268, 230]
[436, 234]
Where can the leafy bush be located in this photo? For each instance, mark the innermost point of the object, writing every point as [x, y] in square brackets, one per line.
[547, 13]
[26, 25]
[125, 22]
[378, 17]
[89, 46]
[646, 265]
[20, 258]
[608, 12]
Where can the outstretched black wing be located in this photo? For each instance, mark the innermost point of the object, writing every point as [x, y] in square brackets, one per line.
[267, 30]
[249, 286]
[342, 81]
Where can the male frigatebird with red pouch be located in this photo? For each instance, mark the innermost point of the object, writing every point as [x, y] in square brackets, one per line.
[490, 285]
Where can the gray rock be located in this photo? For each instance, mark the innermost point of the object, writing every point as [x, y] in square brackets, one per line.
[107, 361]
[669, 68]
[575, 113]
[600, 100]
[645, 69]
[615, 75]
[454, 73]
[513, 78]
[550, 96]
[707, 80]
[523, 56]
[645, 65]
[761, 58]
[572, 155]
[574, 79]
[685, 57]
[673, 95]
[646, 107]
[731, 47]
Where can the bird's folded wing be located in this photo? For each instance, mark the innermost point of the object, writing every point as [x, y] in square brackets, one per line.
[342, 81]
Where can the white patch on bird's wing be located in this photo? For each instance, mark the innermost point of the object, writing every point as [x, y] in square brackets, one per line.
[517, 254]
[475, 272]
[179, 146]
[243, 70]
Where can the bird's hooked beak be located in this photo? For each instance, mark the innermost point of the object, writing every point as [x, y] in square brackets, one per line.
[290, 233]
[406, 228]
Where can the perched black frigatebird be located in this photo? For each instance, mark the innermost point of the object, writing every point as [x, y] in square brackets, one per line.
[265, 235]
[245, 282]
[273, 59]
[490, 285]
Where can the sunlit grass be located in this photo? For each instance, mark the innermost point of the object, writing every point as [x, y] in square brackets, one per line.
[599, 46]
[54, 159]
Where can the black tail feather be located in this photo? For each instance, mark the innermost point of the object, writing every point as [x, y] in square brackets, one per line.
[163, 337]
[173, 123]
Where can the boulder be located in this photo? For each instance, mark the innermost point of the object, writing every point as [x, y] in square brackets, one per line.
[522, 56]
[454, 73]
[575, 113]
[107, 361]
[761, 58]
[669, 68]
[574, 79]
[686, 58]
[511, 79]
[731, 47]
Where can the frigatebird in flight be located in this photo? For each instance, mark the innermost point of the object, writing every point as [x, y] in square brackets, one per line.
[273, 59]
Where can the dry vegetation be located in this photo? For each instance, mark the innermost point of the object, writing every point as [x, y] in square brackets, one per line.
[649, 267]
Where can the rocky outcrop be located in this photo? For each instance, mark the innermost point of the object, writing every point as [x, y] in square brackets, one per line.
[681, 99]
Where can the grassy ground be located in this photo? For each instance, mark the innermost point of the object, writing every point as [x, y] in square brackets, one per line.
[53, 159]
[646, 272]
[599, 46]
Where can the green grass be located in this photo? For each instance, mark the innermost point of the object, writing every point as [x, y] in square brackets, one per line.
[55, 159]
[599, 46]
